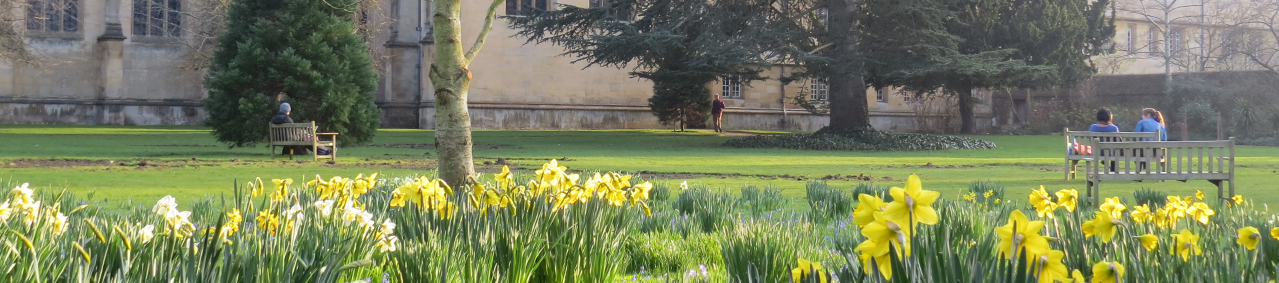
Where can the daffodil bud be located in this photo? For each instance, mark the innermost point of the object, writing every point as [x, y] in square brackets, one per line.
[910, 202]
[1254, 236]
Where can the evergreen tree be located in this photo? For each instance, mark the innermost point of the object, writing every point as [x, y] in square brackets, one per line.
[303, 51]
[680, 45]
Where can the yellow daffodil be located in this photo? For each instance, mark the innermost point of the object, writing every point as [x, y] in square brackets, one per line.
[1186, 244]
[1107, 272]
[1114, 207]
[1148, 241]
[882, 262]
[1201, 212]
[1076, 277]
[1051, 268]
[146, 233]
[1199, 194]
[970, 196]
[912, 205]
[1103, 226]
[1161, 220]
[988, 194]
[886, 232]
[1068, 199]
[1249, 237]
[806, 269]
[281, 189]
[867, 205]
[505, 179]
[1238, 199]
[1141, 214]
[1042, 202]
[363, 184]
[232, 224]
[1021, 233]
[267, 221]
[22, 194]
[1274, 233]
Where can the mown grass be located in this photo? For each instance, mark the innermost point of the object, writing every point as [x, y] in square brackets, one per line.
[1020, 163]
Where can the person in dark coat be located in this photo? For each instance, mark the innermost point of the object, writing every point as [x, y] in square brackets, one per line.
[283, 118]
[717, 112]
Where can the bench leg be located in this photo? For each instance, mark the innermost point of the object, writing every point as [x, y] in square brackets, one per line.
[315, 153]
[333, 153]
[1088, 193]
[1221, 198]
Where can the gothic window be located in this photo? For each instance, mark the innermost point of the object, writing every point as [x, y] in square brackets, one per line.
[53, 15]
[818, 90]
[731, 87]
[159, 18]
[525, 7]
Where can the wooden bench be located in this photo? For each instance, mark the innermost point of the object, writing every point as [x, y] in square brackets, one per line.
[302, 134]
[1086, 139]
[1212, 161]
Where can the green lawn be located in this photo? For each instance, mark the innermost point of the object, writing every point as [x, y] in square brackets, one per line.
[87, 159]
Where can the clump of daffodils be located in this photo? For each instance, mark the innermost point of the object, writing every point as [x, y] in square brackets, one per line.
[178, 222]
[888, 226]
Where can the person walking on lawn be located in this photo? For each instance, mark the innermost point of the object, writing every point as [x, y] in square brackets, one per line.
[717, 113]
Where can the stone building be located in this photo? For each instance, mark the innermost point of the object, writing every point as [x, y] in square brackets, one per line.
[122, 62]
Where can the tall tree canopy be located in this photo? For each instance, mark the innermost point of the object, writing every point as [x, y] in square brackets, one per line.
[679, 45]
[953, 47]
[307, 51]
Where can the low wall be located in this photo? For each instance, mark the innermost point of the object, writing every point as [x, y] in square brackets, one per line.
[100, 112]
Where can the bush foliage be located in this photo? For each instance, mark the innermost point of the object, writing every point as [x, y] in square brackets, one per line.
[306, 51]
[861, 140]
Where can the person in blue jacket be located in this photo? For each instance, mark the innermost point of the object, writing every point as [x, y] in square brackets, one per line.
[1152, 121]
[1105, 122]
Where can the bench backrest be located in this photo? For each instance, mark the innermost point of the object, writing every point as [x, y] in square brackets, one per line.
[1173, 157]
[1087, 139]
[292, 132]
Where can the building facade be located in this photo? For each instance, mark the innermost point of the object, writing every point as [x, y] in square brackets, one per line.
[128, 62]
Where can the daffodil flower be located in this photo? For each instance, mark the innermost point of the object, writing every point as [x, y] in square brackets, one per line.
[58, 223]
[1107, 272]
[1274, 233]
[1249, 237]
[1103, 225]
[1186, 244]
[1148, 241]
[912, 205]
[1201, 212]
[4, 211]
[1199, 194]
[1052, 269]
[886, 232]
[146, 233]
[1114, 207]
[1021, 233]
[1238, 199]
[1141, 214]
[1068, 199]
[867, 205]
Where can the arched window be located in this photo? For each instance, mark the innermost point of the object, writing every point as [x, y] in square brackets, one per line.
[158, 18]
[53, 15]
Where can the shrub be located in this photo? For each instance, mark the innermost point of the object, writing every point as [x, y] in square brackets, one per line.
[768, 199]
[1155, 199]
[827, 203]
[860, 140]
[307, 50]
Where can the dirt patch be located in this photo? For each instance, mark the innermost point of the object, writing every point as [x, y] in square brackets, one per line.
[38, 163]
[737, 134]
[432, 146]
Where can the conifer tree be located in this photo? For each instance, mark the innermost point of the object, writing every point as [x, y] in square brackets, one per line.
[302, 52]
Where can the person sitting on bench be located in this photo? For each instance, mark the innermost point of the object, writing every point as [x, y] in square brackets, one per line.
[283, 118]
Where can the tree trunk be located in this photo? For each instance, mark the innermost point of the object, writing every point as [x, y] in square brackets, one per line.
[451, 79]
[848, 109]
[966, 101]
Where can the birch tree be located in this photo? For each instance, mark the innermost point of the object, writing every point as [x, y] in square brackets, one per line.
[451, 77]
